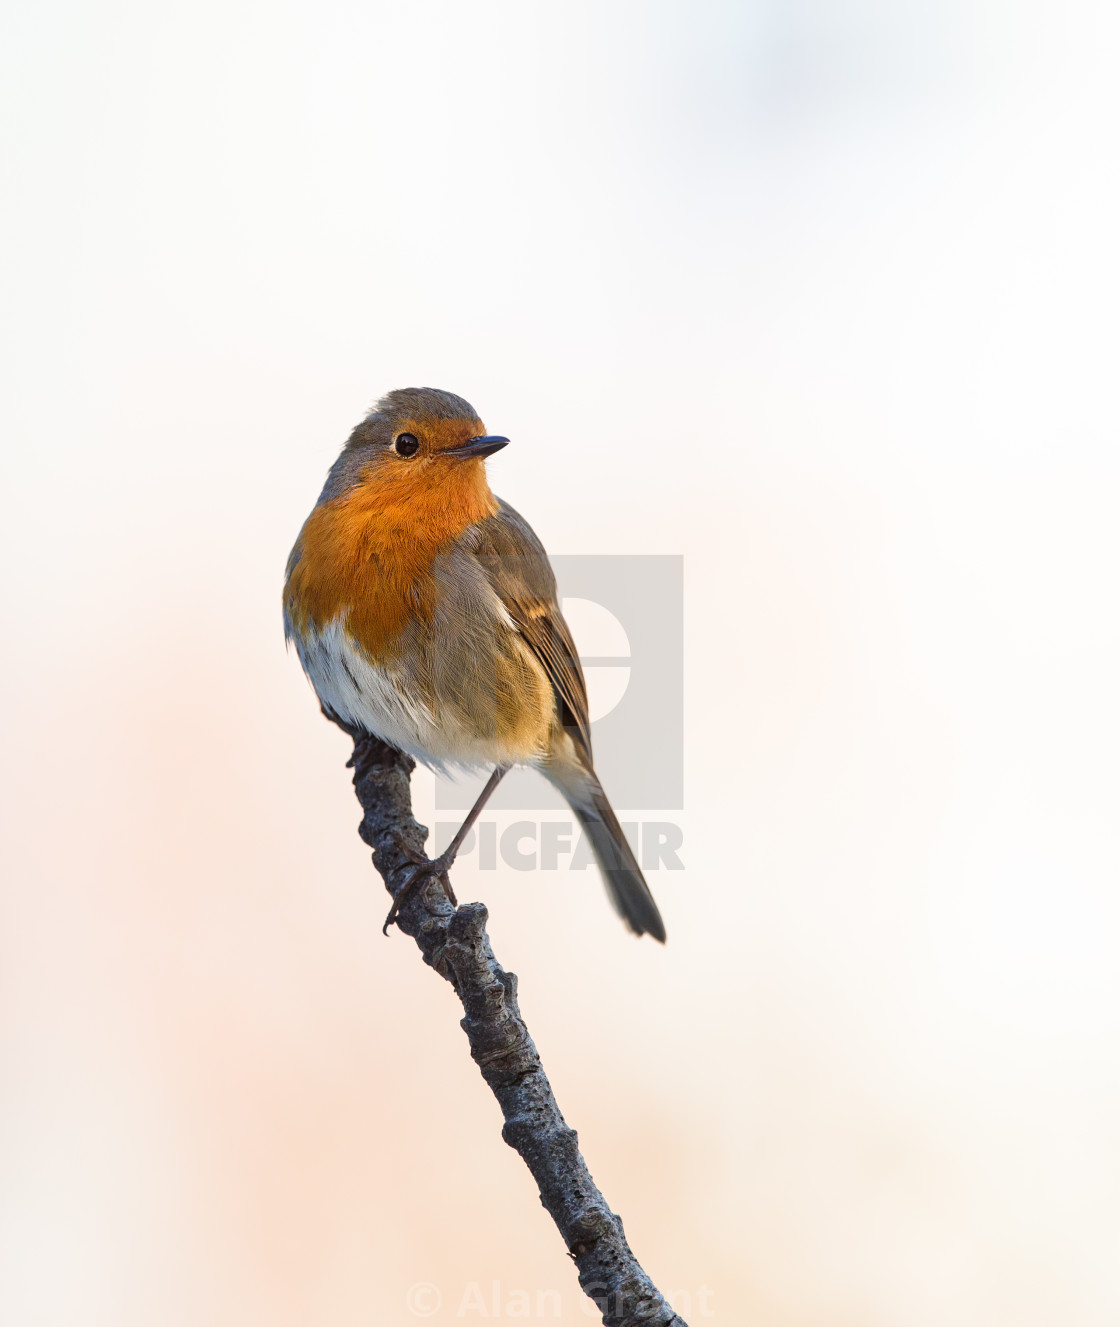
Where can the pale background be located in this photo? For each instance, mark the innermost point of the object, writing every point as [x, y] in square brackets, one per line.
[822, 297]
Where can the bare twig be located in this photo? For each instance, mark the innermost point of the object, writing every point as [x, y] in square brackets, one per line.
[454, 942]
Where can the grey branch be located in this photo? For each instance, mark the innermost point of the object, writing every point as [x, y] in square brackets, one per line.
[453, 941]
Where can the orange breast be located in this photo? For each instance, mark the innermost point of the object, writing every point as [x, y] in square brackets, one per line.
[371, 550]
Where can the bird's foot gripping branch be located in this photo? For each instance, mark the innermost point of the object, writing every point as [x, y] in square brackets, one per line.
[453, 941]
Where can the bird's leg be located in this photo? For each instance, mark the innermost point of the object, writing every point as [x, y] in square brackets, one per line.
[438, 867]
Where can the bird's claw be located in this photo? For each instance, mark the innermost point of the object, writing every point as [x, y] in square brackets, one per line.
[426, 871]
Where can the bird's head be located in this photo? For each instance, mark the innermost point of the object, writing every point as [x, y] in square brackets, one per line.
[417, 440]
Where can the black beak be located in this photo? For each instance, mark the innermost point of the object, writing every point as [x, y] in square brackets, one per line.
[486, 445]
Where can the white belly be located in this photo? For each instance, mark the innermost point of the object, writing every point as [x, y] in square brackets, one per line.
[387, 702]
[365, 694]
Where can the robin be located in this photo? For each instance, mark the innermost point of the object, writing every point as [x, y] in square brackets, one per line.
[424, 611]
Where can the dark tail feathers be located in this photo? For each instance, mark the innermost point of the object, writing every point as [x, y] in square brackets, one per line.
[622, 875]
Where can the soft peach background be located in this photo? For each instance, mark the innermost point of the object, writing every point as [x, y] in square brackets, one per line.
[821, 296]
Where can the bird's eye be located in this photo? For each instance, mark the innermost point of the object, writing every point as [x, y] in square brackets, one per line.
[406, 444]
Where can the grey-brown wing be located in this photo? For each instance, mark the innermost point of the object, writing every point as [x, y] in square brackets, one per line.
[518, 568]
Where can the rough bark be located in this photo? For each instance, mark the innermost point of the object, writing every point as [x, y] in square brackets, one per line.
[453, 941]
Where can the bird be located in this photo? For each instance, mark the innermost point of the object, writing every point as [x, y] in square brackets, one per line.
[424, 612]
